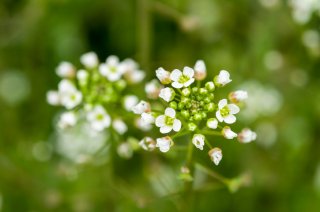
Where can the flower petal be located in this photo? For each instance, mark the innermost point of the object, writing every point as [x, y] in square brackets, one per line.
[219, 117]
[222, 103]
[230, 119]
[170, 112]
[189, 82]
[165, 129]
[188, 71]
[175, 75]
[160, 121]
[234, 109]
[177, 85]
[176, 125]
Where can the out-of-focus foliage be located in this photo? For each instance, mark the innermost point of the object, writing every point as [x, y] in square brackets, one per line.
[271, 46]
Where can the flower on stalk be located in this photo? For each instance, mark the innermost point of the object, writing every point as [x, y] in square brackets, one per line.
[130, 101]
[182, 79]
[228, 133]
[131, 71]
[147, 143]
[225, 112]
[53, 98]
[222, 79]
[98, 118]
[119, 126]
[200, 70]
[167, 94]
[238, 96]
[111, 69]
[215, 155]
[168, 121]
[147, 118]
[246, 136]
[163, 76]
[65, 70]
[164, 143]
[67, 119]
[198, 141]
[141, 107]
[212, 123]
[89, 60]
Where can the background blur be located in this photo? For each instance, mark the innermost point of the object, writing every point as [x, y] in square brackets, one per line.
[270, 47]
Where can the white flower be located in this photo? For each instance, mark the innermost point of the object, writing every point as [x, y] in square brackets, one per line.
[131, 71]
[200, 70]
[147, 118]
[226, 112]
[215, 155]
[148, 144]
[246, 136]
[212, 123]
[119, 126]
[168, 122]
[82, 77]
[70, 97]
[163, 76]
[222, 79]
[89, 60]
[152, 89]
[53, 98]
[125, 150]
[182, 79]
[164, 143]
[198, 141]
[238, 96]
[167, 94]
[228, 133]
[65, 86]
[141, 107]
[67, 119]
[65, 69]
[142, 125]
[130, 101]
[98, 118]
[111, 69]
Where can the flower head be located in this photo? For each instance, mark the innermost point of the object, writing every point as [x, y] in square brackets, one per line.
[67, 119]
[238, 96]
[98, 118]
[168, 122]
[222, 79]
[215, 155]
[65, 70]
[182, 79]
[167, 94]
[225, 112]
[163, 76]
[111, 69]
[200, 70]
[246, 136]
[164, 143]
[119, 126]
[89, 60]
[148, 144]
[141, 107]
[228, 133]
[198, 141]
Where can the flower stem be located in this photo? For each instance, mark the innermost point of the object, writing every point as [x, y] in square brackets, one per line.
[212, 174]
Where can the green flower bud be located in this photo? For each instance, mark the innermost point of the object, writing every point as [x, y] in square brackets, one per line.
[185, 114]
[207, 99]
[120, 84]
[203, 115]
[186, 91]
[181, 105]
[185, 100]
[203, 91]
[192, 126]
[197, 117]
[195, 90]
[188, 105]
[210, 107]
[211, 96]
[210, 86]
[173, 105]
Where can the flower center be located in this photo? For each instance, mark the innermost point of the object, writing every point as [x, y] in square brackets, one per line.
[113, 69]
[99, 116]
[183, 79]
[169, 121]
[224, 111]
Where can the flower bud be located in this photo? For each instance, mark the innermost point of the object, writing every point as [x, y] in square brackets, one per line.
[212, 123]
[210, 86]
[228, 133]
[163, 76]
[200, 70]
[238, 96]
[141, 107]
[89, 60]
[186, 92]
[222, 79]
[147, 144]
[152, 89]
[65, 70]
[119, 126]
[192, 126]
[173, 105]
[246, 136]
[215, 155]
[164, 143]
[53, 98]
[167, 94]
[198, 141]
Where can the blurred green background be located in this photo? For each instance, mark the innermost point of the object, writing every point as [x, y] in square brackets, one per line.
[270, 47]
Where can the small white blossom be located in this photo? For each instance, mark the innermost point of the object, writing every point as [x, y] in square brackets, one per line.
[131, 71]
[142, 125]
[66, 86]
[53, 98]
[65, 70]
[141, 107]
[212, 123]
[152, 89]
[228, 133]
[89, 60]
[148, 144]
[168, 122]
[130, 101]
[125, 150]
[67, 119]
[225, 112]
[198, 141]
[119, 126]
[147, 118]
[70, 97]
[111, 69]
[200, 70]
[222, 79]
[238, 96]
[164, 143]
[215, 155]
[167, 94]
[182, 79]
[98, 118]
[82, 77]
[163, 76]
[246, 136]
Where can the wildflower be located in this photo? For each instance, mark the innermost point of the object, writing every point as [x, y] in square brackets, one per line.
[65, 70]
[246, 136]
[152, 89]
[167, 94]
[147, 118]
[67, 119]
[200, 70]
[163, 76]
[225, 112]
[98, 118]
[82, 77]
[164, 143]
[71, 99]
[142, 125]
[89, 60]
[130, 101]
[168, 122]
[131, 71]
[238, 96]
[228, 133]
[148, 144]
[111, 69]
[125, 150]
[198, 141]
[141, 107]
[215, 155]
[212, 123]
[119, 126]
[182, 79]
[222, 79]
[53, 98]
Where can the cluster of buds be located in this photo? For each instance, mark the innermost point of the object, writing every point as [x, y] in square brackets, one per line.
[95, 93]
[190, 107]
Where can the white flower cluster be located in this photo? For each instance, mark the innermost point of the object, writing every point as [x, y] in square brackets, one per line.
[190, 108]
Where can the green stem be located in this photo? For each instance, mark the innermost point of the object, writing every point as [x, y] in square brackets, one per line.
[212, 174]
[207, 132]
